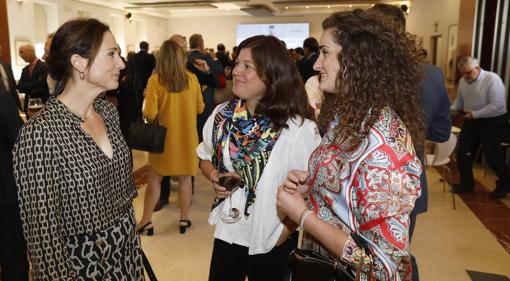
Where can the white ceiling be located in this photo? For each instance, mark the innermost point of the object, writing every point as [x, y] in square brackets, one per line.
[252, 8]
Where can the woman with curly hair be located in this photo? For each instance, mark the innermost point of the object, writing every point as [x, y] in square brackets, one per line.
[365, 176]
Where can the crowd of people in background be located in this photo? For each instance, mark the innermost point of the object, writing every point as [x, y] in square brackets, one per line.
[337, 121]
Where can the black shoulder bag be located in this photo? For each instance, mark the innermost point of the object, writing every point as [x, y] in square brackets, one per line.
[308, 265]
[147, 137]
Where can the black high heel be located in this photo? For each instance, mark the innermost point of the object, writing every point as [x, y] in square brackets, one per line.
[145, 228]
[182, 228]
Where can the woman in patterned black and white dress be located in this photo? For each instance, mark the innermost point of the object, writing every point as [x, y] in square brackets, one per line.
[73, 169]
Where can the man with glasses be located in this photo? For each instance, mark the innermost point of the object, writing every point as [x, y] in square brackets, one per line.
[481, 100]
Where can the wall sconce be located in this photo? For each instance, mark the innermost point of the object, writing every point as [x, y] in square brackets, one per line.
[129, 16]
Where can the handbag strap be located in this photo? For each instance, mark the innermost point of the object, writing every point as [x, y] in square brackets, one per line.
[148, 267]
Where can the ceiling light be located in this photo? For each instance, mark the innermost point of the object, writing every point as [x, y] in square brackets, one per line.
[226, 6]
[329, 6]
[308, 7]
[350, 6]
[286, 7]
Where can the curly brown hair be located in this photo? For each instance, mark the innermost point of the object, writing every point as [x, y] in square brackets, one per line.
[379, 68]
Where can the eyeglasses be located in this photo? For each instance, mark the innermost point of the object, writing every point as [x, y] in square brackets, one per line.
[467, 72]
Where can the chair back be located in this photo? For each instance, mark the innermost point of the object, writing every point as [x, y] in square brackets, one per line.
[443, 151]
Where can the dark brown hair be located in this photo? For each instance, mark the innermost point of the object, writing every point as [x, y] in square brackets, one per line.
[195, 41]
[378, 68]
[80, 36]
[285, 95]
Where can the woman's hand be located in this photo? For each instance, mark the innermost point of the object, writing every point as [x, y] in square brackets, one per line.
[296, 181]
[292, 204]
[201, 65]
[221, 191]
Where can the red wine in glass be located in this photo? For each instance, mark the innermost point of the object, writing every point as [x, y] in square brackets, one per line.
[229, 182]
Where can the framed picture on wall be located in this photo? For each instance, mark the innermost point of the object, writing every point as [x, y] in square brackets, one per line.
[451, 55]
[18, 43]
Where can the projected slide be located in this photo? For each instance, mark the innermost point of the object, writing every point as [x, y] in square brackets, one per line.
[292, 33]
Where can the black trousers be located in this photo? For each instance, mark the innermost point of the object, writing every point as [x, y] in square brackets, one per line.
[231, 262]
[165, 189]
[164, 195]
[13, 253]
[489, 132]
[414, 264]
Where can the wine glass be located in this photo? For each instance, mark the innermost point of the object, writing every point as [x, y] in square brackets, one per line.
[34, 105]
[230, 183]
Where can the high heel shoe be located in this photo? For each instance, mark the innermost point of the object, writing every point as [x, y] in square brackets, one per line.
[182, 228]
[146, 228]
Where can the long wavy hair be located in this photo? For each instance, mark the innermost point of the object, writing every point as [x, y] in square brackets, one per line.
[285, 94]
[379, 68]
[171, 67]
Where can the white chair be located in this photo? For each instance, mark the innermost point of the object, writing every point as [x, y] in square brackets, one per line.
[441, 157]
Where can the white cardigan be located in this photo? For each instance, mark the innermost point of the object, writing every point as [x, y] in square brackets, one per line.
[264, 225]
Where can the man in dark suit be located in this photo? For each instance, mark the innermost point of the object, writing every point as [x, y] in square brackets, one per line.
[33, 76]
[143, 64]
[13, 256]
[300, 61]
[311, 49]
[208, 80]
[7, 82]
[438, 125]
[222, 55]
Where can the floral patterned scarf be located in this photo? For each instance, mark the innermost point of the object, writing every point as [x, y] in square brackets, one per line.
[250, 140]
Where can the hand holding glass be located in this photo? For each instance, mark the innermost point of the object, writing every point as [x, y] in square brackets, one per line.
[231, 183]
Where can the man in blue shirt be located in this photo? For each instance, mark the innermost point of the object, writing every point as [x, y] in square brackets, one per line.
[481, 100]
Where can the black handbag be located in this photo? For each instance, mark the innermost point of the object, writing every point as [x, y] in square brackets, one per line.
[309, 265]
[147, 137]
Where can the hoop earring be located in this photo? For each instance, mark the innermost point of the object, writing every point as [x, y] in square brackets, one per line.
[82, 76]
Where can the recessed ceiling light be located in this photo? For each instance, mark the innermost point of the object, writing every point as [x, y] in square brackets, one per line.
[329, 6]
[350, 6]
[286, 7]
[307, 7]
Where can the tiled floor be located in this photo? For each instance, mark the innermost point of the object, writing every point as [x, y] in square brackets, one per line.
[447, 242]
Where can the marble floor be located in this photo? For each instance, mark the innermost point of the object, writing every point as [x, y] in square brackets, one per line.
[446, 243]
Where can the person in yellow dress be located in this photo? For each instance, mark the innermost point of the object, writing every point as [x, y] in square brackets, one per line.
[174, 99]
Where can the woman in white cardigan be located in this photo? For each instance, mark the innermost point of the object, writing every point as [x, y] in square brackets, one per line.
[257, 138]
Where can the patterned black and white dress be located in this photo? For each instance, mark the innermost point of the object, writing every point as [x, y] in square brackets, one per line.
[76, 202]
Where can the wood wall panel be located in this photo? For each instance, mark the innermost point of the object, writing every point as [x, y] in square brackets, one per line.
[467, 12]
[4, 33]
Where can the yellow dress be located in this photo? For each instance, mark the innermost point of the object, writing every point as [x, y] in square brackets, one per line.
[178, 113]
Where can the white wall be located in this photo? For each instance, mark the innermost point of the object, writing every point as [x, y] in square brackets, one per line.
[425, 14]
[223, 29]
[23, 25]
